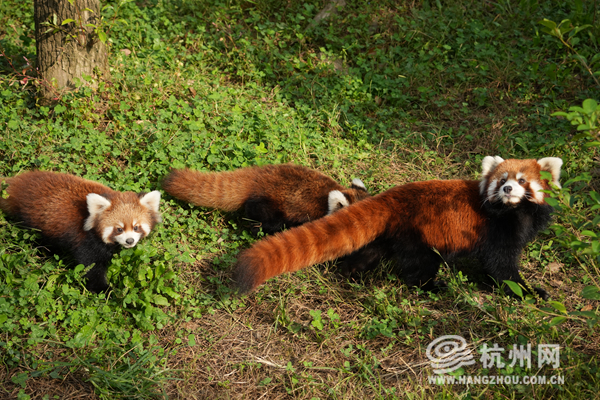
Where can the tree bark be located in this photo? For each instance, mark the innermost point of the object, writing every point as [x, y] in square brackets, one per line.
[65, 53]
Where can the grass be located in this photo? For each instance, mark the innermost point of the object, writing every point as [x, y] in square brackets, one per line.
[386, 92]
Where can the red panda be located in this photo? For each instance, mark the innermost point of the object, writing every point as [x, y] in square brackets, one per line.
[84, 218]
[491, 219]
[277, 196]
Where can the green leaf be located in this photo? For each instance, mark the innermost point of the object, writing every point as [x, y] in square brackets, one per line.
[515, 288]
[557, 321]
[591, 293]
[558, 306]
[160, 300]
[552, 202]
[587, 314]
[589, 233]
[547, 23]
[67, 21]
[590, 105]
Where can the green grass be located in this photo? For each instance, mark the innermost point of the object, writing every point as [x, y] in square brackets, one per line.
[384, 91]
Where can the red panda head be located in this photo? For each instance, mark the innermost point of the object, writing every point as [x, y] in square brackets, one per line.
[125, 218]
[338, 199]
[514, 181]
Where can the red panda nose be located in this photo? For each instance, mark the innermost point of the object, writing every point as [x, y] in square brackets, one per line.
[507, 189]
[129, 241]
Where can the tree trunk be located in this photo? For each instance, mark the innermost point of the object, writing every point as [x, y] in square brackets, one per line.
[70, 52]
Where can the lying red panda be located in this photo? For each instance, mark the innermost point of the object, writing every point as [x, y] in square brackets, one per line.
[277, 196]
[491, 219]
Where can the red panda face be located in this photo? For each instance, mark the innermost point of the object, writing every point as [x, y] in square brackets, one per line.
[514, 181]
[125, 218]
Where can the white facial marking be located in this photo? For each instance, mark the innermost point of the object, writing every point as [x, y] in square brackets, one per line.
[106, 232]
[520, 175]
[492, 189]
[482, 186]
[128, 239]
[505, 175]
[537, 194]
[513, 196]
[359, 183]
[145, 228]
[336, 201]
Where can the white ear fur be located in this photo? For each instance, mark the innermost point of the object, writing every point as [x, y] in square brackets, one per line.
[359, 183]
[489, 163]
[96, 205]
[151, 200]
[336, 201]
[552, 165]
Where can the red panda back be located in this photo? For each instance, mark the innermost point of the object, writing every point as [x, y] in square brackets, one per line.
[51, 202]
[299, 192]
[443, 214]
[57, 205]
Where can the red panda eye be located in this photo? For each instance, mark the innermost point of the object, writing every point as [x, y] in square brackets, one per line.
[502, 181]
[521, 181]
[119, 230]
[135, 228]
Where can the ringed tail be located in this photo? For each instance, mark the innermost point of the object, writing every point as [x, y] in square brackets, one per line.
[325, 239]
[223, 190]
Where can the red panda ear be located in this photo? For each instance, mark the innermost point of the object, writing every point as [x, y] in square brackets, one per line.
[552, 165]
[336, 201]
[151, 201]
[489, 163]
[96, 205]
[358, 184]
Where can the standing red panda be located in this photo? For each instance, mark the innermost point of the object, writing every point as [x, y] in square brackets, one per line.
[85, 218]
[277, 196]
[492, 219]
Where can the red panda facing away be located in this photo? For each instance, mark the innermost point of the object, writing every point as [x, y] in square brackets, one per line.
[491, 219]
[276, 196]
[82, 217]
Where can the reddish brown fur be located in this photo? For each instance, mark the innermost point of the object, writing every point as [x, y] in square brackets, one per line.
[492, 221]
[40, 200]
[298, 191]
[125, 208]
[443, 213]
[530, 168]
[59, 206]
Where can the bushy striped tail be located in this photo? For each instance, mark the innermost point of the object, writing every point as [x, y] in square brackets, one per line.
[223, 190]
[325, 239]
